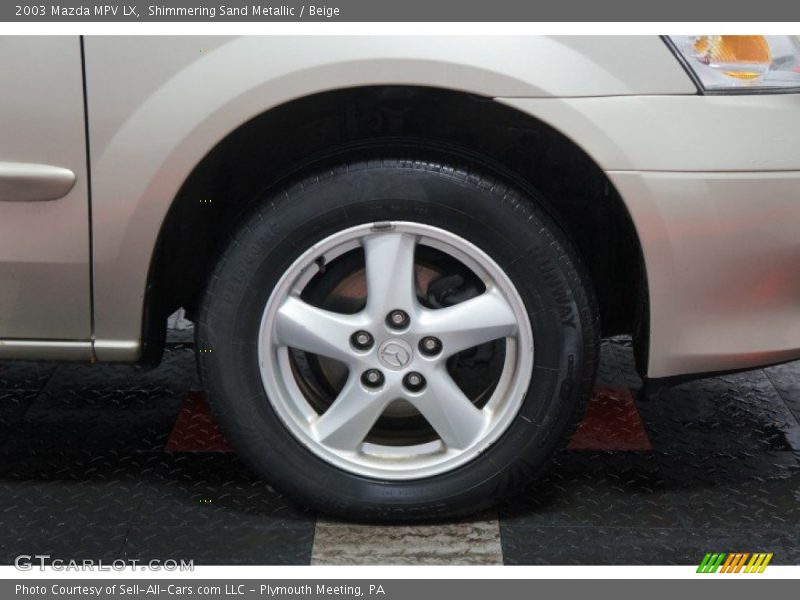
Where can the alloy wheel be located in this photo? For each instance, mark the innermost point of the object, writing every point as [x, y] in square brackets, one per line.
[394, 347]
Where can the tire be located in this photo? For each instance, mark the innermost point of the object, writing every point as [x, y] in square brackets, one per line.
[255, 328]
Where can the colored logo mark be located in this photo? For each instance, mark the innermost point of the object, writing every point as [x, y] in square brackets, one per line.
[736, 562]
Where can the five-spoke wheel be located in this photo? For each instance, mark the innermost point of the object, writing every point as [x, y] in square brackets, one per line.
[395, 348]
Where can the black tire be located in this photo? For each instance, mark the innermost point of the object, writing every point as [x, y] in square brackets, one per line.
[506, 224]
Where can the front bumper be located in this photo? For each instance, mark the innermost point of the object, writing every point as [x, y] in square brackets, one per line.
[722, 252]
[712, 184]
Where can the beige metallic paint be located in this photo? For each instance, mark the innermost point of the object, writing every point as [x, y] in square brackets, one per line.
[723, 265]
[158, 105]
[678, 133]
[44, 246]
[45, 350]
[712, 183]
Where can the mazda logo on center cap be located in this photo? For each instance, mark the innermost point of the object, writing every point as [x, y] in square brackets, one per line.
[395, 354]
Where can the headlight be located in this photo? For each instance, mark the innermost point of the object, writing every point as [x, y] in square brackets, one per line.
[741, 62]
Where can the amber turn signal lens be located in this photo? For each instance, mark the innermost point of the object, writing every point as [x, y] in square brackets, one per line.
[739, 56]
[768, 63]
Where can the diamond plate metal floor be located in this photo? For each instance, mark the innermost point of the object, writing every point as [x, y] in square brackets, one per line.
[113, 461]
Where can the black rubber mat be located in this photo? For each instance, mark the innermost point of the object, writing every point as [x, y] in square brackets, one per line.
[84, 473]
[723, 475]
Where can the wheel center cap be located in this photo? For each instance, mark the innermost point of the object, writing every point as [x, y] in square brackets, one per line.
[395, 354]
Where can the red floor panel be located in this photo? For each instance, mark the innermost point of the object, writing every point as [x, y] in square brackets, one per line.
[611, 422]
[195, 429]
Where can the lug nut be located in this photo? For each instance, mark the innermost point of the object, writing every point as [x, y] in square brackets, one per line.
[430, 346]
[372, 378]
[361, 340]
[397, 319]
[414, 381]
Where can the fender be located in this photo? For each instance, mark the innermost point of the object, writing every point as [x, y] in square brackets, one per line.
[157, 106]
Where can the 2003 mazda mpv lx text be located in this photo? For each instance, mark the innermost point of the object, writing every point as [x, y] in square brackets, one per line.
[400, 253]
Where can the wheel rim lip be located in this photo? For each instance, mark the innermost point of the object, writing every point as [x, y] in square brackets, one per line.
[393, 462]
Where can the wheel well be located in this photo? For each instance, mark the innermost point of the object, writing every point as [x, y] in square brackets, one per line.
[331, 127]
